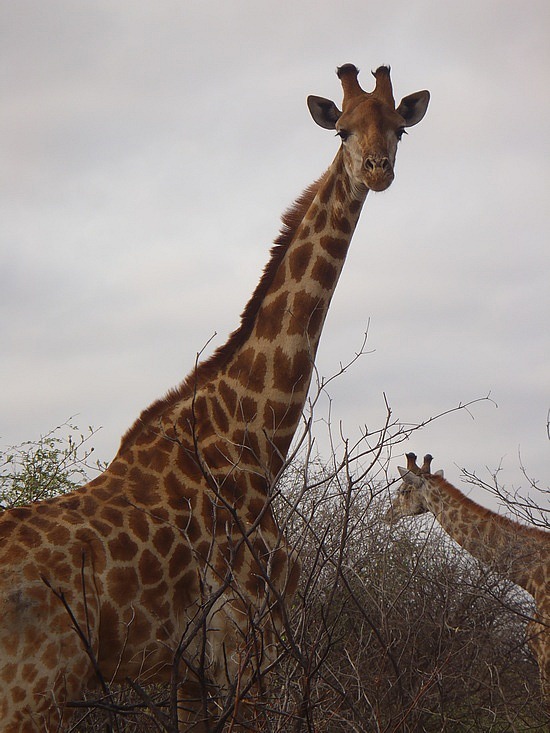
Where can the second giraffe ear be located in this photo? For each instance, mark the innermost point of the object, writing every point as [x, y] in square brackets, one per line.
[439, 473]
[324, 112]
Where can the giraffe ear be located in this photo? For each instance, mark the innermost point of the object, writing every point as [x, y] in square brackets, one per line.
[402, 471]
[439, 473]
[413, 108]
[324, 112]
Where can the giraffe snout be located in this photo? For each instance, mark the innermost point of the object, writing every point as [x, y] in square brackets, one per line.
[379, 172]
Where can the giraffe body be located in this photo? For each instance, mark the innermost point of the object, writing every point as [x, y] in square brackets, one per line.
[171, 562]
[516, 551]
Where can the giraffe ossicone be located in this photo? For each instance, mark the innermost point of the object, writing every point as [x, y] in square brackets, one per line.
[170, 564]
[518, 552]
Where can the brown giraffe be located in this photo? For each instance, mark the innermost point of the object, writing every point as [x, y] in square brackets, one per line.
[170, 563]
[516, 551]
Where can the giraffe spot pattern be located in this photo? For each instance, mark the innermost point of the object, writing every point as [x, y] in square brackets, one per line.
[299, 261]
[270, 317]
[150, 568]
[228, 395]
[335, 247]
[308, 315]
[324, 273]
[122, 547]
[163, 540]
[320, 222]
[138, 524]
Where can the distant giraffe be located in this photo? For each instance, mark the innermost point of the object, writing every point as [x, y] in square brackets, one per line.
[173, 552]
[515, 551]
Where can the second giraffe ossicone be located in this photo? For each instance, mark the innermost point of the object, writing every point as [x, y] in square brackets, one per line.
[518, 552]
[170, 567]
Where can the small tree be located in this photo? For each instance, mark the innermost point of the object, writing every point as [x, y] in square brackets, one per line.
[54, 464]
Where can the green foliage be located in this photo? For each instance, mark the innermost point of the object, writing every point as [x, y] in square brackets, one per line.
[54, 464]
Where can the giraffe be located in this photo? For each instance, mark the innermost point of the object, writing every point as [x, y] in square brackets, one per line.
[516, 551]
[170, 564]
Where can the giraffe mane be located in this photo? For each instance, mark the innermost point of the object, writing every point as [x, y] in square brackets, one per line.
[487, 514]
[205, 370]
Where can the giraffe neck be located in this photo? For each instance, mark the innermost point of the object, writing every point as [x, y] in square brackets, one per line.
[508, 547]
[244, 403]
[275, 363]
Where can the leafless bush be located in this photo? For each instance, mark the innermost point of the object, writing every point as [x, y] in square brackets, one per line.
[392, 629]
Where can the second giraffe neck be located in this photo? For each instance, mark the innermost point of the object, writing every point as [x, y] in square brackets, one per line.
[508, 547]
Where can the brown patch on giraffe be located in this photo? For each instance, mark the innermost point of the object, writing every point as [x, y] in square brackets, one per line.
[325, 191]
[88, 505]
[308, 314]
[220, 416]
[21, 513]
[149, 567]
[122, 547]
[257, 482]
[122, 585]
[173, 485]
[192, 528]
[299, 260]
[355, 206]
[138, 524]
[320, 222]
[279, 279]
[156, 598]
[304, 232]
[301, 367]
[232, 491]
[340, 222]
[270, 317]
[49, 656]
[118, 468]
[59, 535]
[202, 550]
[279, 415]
[28, 536]
[335, 247]
[340, 190]
[324, 272]
[102, 528]
[312, 212]
[28, 673]
[156, 457]
[42, 523]
[108, 629]
[185, 589]
[228, 395]
[163, 540]
[281, 368]
[244, 439]
[18, 694]
[248, 409]
[9, 672]
[144, 487]
[112, 515]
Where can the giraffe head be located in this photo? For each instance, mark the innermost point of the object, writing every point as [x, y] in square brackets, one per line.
[410, 497]
[369, 124]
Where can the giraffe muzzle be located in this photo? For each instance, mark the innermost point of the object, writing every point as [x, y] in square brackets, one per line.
[378, 173]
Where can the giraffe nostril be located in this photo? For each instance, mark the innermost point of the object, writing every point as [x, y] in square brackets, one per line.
[372, 163]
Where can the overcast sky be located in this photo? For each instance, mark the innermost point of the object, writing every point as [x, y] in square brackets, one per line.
[149, 148]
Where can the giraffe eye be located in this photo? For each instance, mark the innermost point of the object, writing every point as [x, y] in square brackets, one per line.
[344, 134]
